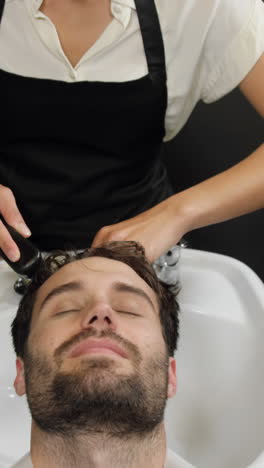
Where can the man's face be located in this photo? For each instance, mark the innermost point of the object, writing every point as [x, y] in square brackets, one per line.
[73, 386]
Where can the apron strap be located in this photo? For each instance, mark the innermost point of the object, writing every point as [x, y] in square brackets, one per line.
[2, 4]
[152, 39]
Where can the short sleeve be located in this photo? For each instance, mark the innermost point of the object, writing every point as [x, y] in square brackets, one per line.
[234, 43]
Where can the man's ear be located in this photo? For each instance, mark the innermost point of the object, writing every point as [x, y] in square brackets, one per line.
[172, 383]
[19, 382]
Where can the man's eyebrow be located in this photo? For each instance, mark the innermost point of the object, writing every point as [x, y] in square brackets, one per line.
[66, 287]
[119, 286]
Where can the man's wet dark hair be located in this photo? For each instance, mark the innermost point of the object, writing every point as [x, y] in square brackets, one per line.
[128, 252]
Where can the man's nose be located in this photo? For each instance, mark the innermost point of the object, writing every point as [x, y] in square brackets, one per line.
[100, 316]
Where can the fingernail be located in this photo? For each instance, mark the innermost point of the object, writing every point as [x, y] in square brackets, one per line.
[23, 229]
[13, 255]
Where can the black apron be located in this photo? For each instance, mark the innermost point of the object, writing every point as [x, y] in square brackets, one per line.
[73, 168]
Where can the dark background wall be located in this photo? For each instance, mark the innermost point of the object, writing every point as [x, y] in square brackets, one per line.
[216, 137]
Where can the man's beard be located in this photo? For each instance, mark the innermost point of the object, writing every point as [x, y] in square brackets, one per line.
[96, 397]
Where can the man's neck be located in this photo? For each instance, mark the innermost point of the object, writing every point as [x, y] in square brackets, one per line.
[98, 450]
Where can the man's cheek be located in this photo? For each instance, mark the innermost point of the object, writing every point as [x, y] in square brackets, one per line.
[43, 342]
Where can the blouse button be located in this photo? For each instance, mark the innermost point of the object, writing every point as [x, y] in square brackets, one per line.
[73, 75]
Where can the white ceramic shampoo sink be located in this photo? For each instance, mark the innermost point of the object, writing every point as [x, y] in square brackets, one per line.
[216, 419]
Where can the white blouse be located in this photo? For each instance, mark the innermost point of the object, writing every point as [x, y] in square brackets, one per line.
[210, 46]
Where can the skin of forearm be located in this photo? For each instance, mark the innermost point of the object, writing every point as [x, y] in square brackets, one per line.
[232, 193]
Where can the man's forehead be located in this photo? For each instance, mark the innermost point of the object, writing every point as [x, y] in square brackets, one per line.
[99, 267]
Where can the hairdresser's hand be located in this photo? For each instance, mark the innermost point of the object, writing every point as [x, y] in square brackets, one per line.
[157, 229]
[10, 212]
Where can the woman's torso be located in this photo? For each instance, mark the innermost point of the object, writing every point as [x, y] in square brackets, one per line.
[82, 155]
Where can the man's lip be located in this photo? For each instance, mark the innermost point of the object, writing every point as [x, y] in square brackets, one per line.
[92, 343]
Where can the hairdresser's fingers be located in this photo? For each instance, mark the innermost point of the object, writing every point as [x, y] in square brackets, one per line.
[157, 230]
[7, 245]
[11, 214]
[10, 211]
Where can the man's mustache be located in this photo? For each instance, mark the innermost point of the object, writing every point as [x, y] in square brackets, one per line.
[63, 349]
